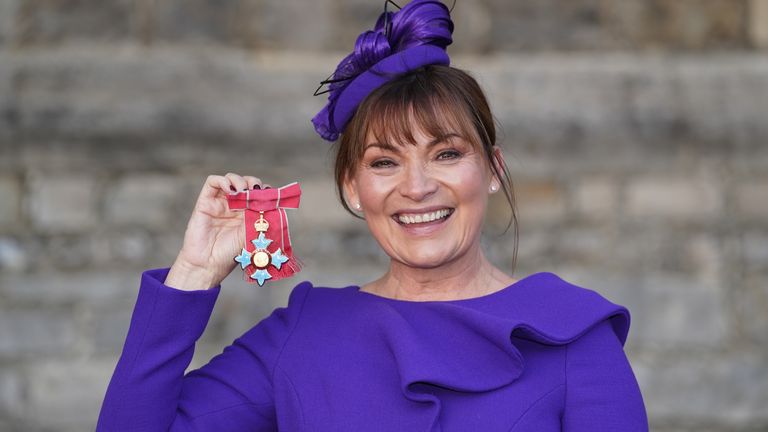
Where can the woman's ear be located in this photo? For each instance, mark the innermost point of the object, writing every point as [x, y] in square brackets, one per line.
[498, 167]
[350, 193]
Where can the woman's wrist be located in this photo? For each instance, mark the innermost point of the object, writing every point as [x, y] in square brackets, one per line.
[188, 277]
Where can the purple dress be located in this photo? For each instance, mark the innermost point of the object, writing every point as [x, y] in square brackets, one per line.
[540, 355]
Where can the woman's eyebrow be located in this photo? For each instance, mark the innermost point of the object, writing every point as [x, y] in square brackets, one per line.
[383, 146]
[442, 138]
[393, 149]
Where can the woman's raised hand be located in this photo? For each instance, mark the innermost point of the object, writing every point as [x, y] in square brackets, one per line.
[214, 235]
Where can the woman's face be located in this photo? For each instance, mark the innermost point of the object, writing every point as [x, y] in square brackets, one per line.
[424, 203]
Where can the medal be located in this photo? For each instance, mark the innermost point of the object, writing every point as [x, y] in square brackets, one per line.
[267, 254]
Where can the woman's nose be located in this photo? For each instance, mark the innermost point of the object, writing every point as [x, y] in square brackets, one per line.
[417, 183]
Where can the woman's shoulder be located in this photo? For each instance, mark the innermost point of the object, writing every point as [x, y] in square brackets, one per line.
[307, 295]
[561, 311]
[542, 306]
[307, 289]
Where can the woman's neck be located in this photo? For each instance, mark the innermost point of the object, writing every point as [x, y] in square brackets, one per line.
[471, 275]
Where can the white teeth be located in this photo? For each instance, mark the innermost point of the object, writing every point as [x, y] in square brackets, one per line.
[425, 217]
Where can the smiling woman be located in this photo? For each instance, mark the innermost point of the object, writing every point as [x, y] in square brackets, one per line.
[443, 102]
[419, 160]
[442, 341]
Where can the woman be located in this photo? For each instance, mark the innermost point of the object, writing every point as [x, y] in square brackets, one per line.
[443, 341]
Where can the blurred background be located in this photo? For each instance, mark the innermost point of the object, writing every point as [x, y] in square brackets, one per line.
[635, 131]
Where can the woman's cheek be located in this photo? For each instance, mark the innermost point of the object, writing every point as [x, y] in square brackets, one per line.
[373, 190]
[466, 179]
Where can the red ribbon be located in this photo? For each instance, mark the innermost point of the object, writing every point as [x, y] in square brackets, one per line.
[273, 203]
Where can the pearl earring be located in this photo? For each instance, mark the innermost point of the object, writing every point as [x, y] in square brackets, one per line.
[493, 188]
[358, 206]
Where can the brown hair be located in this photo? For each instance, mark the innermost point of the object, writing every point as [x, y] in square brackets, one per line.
[433, 96]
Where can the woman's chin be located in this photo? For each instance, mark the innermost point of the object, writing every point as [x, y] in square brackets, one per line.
[425, 259]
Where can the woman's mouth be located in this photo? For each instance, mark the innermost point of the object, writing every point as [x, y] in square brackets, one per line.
[423, 218]
[423, 223]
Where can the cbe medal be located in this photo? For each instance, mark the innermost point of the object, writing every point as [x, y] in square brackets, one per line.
[267, 254]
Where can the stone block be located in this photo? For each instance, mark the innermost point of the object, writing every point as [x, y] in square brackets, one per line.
[35, 332]
[679, 389]
[540, 201]
[141, 200]
[10, 197]
[704, 258]
[596, 198]
[75, 94]
[651, 112]
[754, 249]
[553, 106]
[52, 22]
[67, 394]
[750, 303]
[593, 24]
[132, 247]
[11, 392]
[66, 203]
[498, 213]
[678, 198]
[228, 22]
[8, 109]
[320, 207]
[108, 327]
[669, 311]
[71, 252]
[472, 25]
[576, 246]
[546, 25]
[94, 287]
[13, 255]
[616, 107]
[305, 26]
[535, 249]
[499, 248]
[472, 28]
[676, 24]
[167, 247]
[758, 22]
[701, 90]
[752, 199]
[539, 103]
[8, 10]
[680, 311]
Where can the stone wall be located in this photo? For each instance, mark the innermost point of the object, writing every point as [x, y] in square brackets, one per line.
[635, 130]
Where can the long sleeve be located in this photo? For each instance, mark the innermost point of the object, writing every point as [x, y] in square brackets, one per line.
[602, 393]
[149, 391]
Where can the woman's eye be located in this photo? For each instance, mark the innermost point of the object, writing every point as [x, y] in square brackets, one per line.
[449, 154]
[382, 163]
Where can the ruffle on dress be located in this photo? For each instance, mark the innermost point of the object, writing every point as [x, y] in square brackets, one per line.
[468, 345]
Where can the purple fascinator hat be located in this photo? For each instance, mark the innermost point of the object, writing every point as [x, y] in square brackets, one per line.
[415, 36]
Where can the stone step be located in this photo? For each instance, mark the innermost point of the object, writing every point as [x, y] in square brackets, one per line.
[480, 25]
[545, 100]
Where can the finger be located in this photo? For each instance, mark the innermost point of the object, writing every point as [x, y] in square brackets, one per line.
[253, 182]
[266, 186]
[214, 185]
[237, 181]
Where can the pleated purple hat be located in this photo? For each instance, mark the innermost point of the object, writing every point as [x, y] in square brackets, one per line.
[415, 36]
